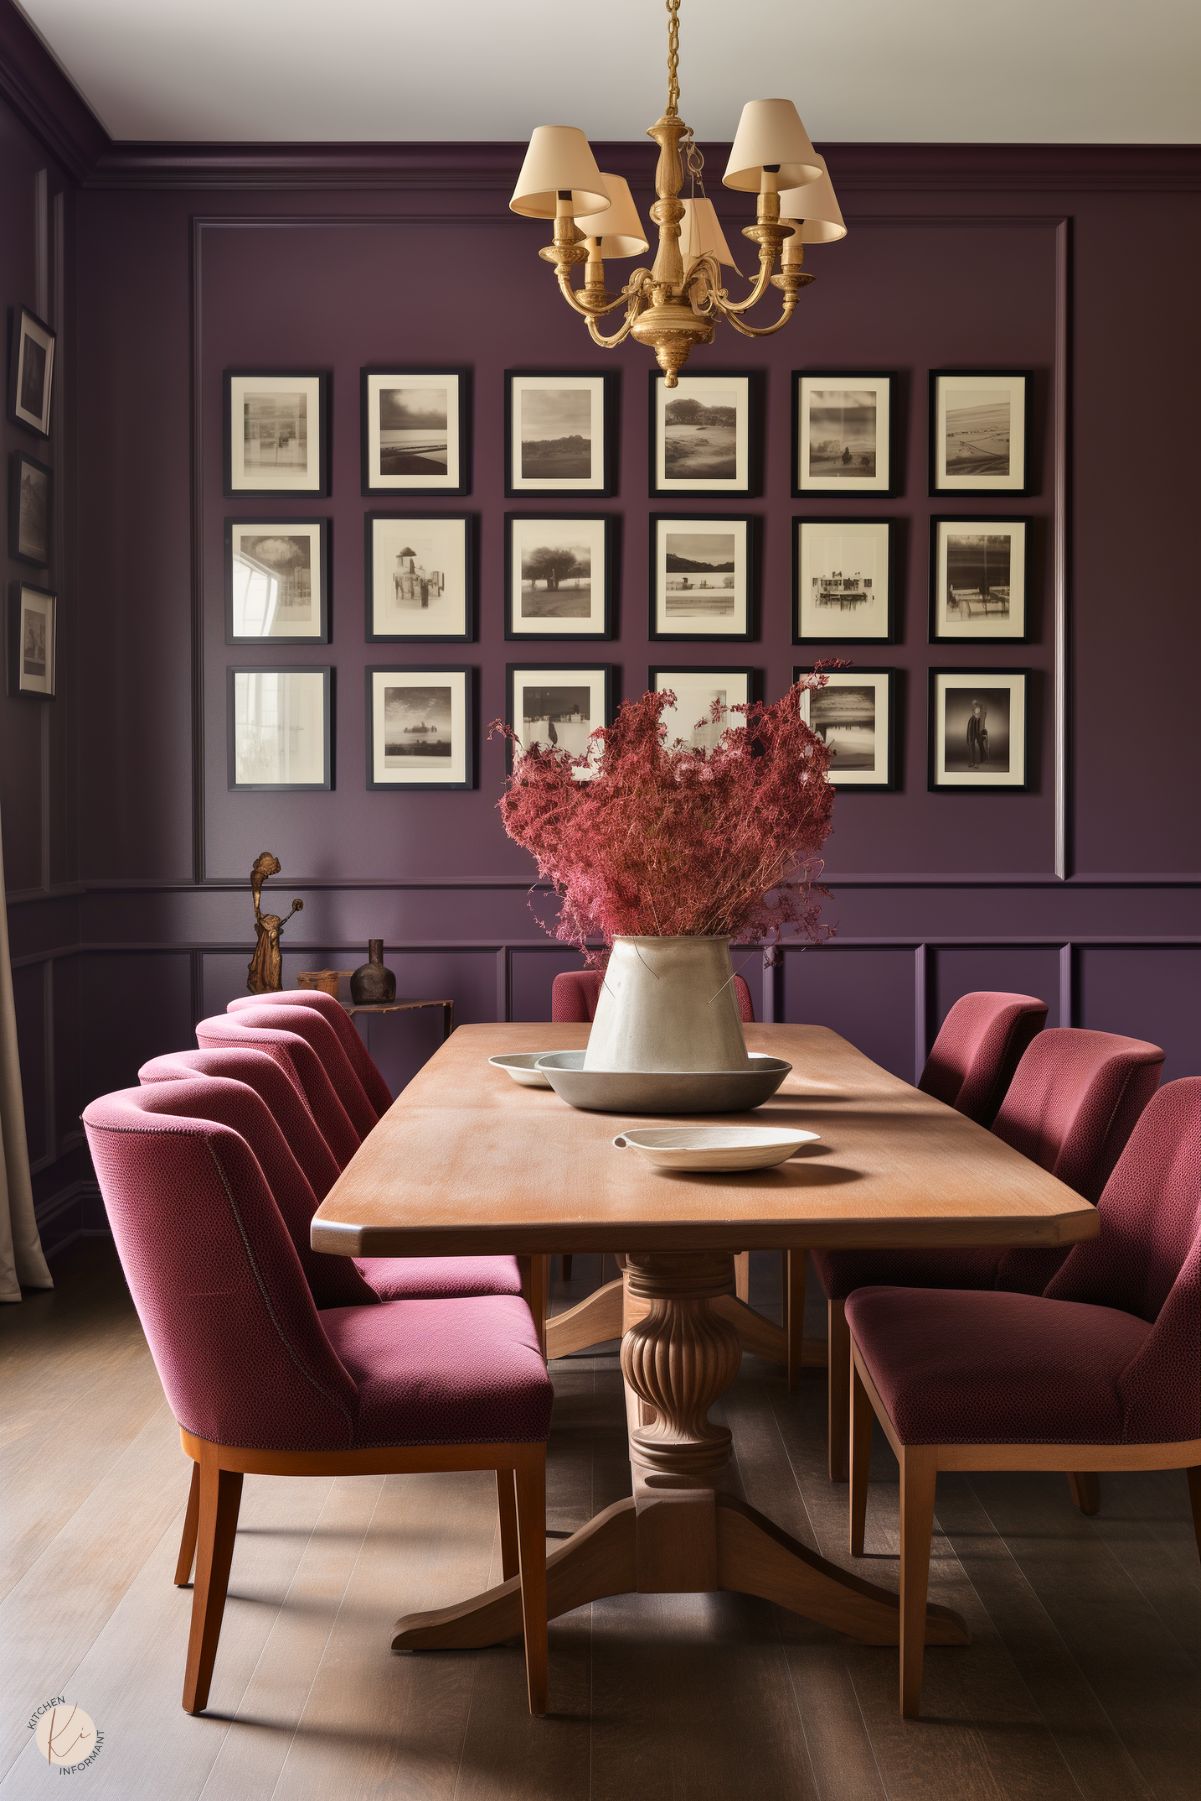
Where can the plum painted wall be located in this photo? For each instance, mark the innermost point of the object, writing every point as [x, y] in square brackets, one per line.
[1082, 266]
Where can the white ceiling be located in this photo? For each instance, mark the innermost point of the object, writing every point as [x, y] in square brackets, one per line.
[952, 71]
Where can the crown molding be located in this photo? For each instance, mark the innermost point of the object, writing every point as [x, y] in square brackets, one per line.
[45, 99]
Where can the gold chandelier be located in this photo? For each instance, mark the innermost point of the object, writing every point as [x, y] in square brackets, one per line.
[675, 304]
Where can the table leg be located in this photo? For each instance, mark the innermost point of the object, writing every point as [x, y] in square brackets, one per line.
[677, 1533]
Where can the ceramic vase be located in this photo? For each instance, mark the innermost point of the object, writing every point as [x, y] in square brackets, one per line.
[667, 1005]
[371, 981]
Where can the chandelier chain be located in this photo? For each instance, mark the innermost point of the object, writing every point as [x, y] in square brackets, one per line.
[673, 57]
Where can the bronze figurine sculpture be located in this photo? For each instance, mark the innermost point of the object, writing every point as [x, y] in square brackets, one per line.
[264, 972]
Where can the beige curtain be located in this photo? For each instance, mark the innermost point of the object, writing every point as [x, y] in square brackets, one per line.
[22, 1263]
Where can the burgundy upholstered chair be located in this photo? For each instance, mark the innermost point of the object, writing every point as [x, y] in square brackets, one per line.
[363, 1063]
[979, 1045]
[1101, 1372]
[1070, 1108]
[262, 1383]
[575, 992]
[303, 1068]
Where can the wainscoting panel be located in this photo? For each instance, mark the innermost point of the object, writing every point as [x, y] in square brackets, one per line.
[1018, 969]
[1167, 981]
[867, 994]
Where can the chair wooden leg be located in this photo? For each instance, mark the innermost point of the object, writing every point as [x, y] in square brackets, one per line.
[861, 1454]
[506, 1506]
[1194, 1495]
[1086, 1490]
[742, 1275]
[220, 1497]
[187, 1540]
[794, 1313]
[530, 1483]
[919, 1470]
[838, 1389]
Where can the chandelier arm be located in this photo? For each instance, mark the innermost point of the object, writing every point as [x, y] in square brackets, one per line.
[728, 307]
[594, 310]
[616, 337]
[756, 331]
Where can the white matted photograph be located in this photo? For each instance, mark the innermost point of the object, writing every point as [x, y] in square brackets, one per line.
[31, 371]
[559, 708]
[280, 728]
[31, 509]
[842, 433]
[978, 728]
[558, 576]
[697, 718]
[420, 728]
[701, 577]
[704, 435]
[978, 580]
[854, 716]
[33, 616]
[420, 577]
[414, 431]
[978, 432]
[559, 433]
[275, 432]
[842, 581]
[277, 580]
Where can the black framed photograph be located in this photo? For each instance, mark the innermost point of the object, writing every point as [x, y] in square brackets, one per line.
[415, 431]
[842, 433]
[280, 732]
[979, 728]
[979, 431]
[560, 706]
[31, 371]
[276, 432]
[698, 692]
[842, 581]
[705, 435]
[977, 580]
[33, 622]
[277, 580]
[559, 576]
[855, 716]
[420, 577]
[31, 509]
[702, 576]
[560, 433]
[421, 728]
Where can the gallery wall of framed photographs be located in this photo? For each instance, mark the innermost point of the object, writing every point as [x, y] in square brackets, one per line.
[446, 563]
[31, 647]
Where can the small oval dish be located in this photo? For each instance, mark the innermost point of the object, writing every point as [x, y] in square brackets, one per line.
[714, 1147]
[522, 1066]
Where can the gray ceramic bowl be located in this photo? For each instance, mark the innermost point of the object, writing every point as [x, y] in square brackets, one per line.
[645, 1091]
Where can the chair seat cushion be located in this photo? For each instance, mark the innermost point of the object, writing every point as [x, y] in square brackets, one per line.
[439, 1278]
[842, 1272]
[466, 1371]
[957, 1366]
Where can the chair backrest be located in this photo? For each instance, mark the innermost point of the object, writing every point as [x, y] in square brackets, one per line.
[575, 992]
[1147, 1261]
[302, 1066]
[979, 1045]
[1072, 1104]
[363, 1063]
[231, 1324]
[317, 1032]
[285, 1102]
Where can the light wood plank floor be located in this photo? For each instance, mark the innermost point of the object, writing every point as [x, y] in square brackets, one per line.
[1083, 1678]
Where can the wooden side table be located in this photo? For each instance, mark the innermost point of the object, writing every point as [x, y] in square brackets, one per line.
[399, 1006]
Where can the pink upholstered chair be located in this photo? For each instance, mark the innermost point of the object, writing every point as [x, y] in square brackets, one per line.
[323, 1038]
[979, 1045]
[300, 1063]
[1101, 1372]
[575, 992]
[1070, 1108]
[261, 1383]
[361, 1060]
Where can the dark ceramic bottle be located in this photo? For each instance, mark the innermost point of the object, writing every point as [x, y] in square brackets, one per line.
[371, 981]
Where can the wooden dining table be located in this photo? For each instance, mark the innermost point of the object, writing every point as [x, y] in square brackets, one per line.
[468, 1162]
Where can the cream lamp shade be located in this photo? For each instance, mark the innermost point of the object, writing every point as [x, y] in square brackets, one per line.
[618, 227]
[771, 136]
[559, 160]
[701, 235]
[814, 210]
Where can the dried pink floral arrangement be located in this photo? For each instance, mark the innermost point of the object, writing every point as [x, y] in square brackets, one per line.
[667, 839]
